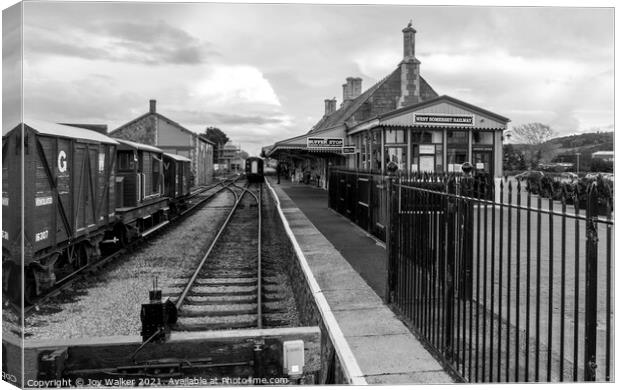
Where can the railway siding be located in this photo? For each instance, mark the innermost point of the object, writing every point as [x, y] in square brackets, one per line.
[108, 304]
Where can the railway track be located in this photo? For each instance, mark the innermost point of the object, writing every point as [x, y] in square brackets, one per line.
[226, 289]
[196, 199]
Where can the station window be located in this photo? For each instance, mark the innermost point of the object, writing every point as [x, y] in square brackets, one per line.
[482, 138]
[396, 154]
[394, 136]
[421, 137]
[458, 137]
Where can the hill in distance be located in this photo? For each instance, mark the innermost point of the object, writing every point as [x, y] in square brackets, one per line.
[586, 144]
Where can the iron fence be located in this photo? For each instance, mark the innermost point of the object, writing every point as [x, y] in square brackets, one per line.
[516, 289]
[503, 285]
[360, 196]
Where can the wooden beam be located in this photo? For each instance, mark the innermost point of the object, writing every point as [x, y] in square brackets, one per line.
[233, 349]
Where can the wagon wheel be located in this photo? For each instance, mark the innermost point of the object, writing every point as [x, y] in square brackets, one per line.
[15, 286]
[83, 255]
[30, 290]
[120, 232]
[12, 279]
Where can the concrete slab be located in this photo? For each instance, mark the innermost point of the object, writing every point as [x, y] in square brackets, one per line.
[384, 354]
[339, 279]
[426, 377]
[374, 321]
[352, 299]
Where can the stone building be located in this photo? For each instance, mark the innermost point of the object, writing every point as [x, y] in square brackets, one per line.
[399, 119]
[152, 128]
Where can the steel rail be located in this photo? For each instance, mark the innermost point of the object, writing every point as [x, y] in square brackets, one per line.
[190, 283]
[74, 276]
[259, 271]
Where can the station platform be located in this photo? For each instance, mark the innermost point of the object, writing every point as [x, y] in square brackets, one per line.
[347, 274]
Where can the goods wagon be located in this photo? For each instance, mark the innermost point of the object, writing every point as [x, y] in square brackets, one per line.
[141, 204]
[68, 200]
[176, 180]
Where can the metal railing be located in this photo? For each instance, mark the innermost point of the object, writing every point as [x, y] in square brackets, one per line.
[514, 289]
[503, 285]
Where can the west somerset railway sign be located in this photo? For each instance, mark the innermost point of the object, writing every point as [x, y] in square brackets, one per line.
[467, 120]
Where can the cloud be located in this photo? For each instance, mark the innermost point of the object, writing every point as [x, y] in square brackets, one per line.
[150, 43]
[235, 85]
[222, 119]
[88, 100]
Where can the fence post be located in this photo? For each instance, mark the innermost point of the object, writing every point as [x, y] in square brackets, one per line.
[466, 222]
[591, 284]
[450, 259]
[389, 284]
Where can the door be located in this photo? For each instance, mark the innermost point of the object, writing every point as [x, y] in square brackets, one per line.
[483, 161]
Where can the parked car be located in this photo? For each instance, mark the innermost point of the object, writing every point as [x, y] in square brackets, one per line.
[568, 177]
[530, 175]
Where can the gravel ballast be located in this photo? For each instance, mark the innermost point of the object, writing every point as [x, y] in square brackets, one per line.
[108, 303]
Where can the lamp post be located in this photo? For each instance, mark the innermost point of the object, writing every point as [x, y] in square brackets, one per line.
[578, 154]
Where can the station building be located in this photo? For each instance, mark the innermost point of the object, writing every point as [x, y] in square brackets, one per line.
[153, 128]
[400, 119]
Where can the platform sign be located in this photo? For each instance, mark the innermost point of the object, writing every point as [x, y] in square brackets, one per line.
[349, 150]
[324, 143]
[443, 119]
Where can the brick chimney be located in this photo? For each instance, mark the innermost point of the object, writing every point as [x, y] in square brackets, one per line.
[345, 93]
[355, 88]
[409, 70]
[330, 106]
[351, 90]
[152, 106]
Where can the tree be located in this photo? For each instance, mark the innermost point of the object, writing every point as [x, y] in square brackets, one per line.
[533, 133]
[219, 138]
[513, 158]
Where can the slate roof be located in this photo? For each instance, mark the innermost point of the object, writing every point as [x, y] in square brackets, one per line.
[341, 115]
[345, 113]
[202, 137]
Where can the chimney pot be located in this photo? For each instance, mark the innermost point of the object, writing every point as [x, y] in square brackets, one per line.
[409, 42]
[330, 106]
[346, 92]
[152, 106]
[355, 88]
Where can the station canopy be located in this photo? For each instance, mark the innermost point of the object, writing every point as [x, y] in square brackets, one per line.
[325, 142]
[443, 111]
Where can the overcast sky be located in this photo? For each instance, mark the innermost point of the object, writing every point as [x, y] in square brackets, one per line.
[261, 72]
